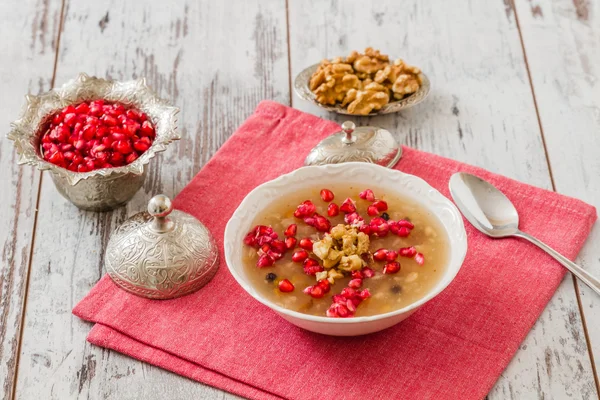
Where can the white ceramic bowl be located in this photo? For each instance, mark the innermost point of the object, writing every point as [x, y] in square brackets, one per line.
[360, 175]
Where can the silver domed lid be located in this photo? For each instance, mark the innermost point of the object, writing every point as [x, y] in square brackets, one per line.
[366, 144]
[162, 253]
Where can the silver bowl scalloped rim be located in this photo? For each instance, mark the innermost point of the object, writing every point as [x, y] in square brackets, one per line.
[303, 91]
[135, 93]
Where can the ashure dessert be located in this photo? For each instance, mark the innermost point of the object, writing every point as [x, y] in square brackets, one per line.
[96, 134]
[364, 82]
[344, 251]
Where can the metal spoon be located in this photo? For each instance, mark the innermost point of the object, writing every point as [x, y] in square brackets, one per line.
[493, 214]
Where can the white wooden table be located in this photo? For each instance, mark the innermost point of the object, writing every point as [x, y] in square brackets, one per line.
[516, 91]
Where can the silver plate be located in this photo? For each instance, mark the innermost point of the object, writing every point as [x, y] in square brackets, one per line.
[303, 91]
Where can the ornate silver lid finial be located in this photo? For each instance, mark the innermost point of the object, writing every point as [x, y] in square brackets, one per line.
[160, 207]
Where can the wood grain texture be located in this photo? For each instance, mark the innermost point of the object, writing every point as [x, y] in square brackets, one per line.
[562, 39]
[216, 62]
[480, 111]
[29, 38]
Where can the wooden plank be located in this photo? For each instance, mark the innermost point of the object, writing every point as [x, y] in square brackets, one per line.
[214, 61]
[481, 111]
[28, 49]
[562, 39]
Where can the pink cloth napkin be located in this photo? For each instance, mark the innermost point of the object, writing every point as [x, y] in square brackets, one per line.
[455, 347]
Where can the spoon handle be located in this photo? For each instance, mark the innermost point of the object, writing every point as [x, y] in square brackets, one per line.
[579, 272]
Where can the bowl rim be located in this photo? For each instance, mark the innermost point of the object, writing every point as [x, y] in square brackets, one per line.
[450, 274]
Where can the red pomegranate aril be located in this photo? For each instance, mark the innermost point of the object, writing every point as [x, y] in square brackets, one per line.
[250, 239]
[364, 294]
[140, 146]
[68, 155]
[322, 224]
[348, 293]
[326, 195]
[372, 210]
[117, 136]
[368, 272]
[278, 246]
[291, 230]
[285, 286]
[391, 267]
[90, 165]
[299, 255]
[407, 251]
[274, 255]
[131, 158]
[333, 210]
[57, 118]
[290, 242]
[311, 266]
[391, 255]
[366, 229]
[348, 206]
[403, 231]
[379, 227]
[310, 221]
[317, 292]
[123, 147]
[131, 114]
[56, 158]
[357, 275]
[109, 120]
[306, 244]
[147, 129]
[264, 261]
[380, 255]
[367, 195]
[420, 258]
[325, 285]
[82, 108]
[117, 158]
[381, 205]
[355, 283]
[70, 119]
[406, 224]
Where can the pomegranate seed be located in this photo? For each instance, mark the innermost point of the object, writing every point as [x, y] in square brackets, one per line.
[333, 210]
[348, 293]
[285, 286]
[348, 206]
[322, 224]
[310, 221]
[264, 261]
[381, 205]
[355, 283]
[420, 258]
[57, 158]
[314, 291]
[290, 242]
[407, 251]
[356, 275]
[70, 119]
[380, 255]
[325, 285]
[278, 246]
[147, 129]
[274, 255]
[326, 195]
[364, 228]
[306, 209]
[372, 210]
[403, 231]
[265, 248]
[299, 256]
[391, 255]
[311, 266]
[338, 298]
[306, 244]
[368, 272]
[406, 224]
[391, 267]
[379, 227]
[367, 195]
[131, 158]
[364, 294]
[291, 230]
[250, 239]
[123, 147]
[140, 146]
[82, 108]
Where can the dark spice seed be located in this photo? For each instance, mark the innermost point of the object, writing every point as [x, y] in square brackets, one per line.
[396, 289]
[385, 216]
[271, 277]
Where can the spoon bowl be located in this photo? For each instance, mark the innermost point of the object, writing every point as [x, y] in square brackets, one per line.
[484, 206]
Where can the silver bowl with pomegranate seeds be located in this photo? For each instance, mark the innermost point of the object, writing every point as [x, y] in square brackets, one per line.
[116, 168]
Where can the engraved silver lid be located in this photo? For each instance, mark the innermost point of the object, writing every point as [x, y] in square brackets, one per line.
[366, 144]
[162, 253]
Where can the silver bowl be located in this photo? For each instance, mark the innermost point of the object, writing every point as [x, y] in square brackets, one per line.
[302, 89]
[102, 189]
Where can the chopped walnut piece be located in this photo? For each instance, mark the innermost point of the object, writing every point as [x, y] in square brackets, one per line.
[367, 101]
